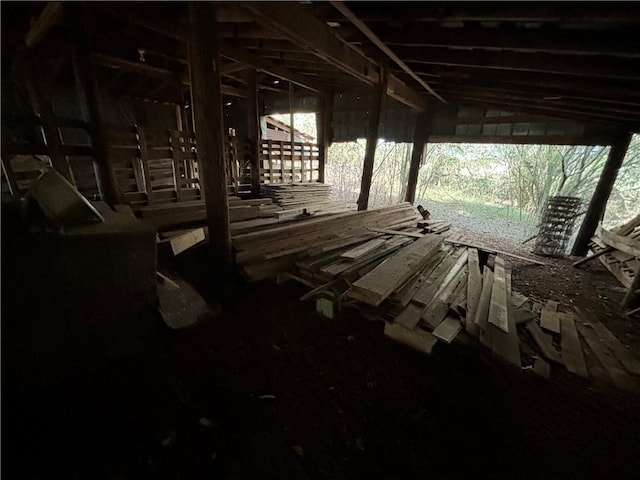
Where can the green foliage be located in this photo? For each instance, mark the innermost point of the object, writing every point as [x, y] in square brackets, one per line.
[513, 179]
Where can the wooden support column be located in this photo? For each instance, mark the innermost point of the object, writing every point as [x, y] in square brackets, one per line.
[89, 96]
[420, 135]
[206, 101]
[253, 129]
[323, 127]
[600, 197]
[292, 137]
[372, 141]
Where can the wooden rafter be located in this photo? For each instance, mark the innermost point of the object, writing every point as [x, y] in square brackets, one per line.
[342, 8]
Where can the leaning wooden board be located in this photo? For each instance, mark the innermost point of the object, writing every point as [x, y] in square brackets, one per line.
[374, 287]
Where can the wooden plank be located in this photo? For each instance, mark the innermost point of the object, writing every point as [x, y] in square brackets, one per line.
[410, 316]
[186, 240]
[608, 360]
[448, 329]
[491, 250]
[442, 274]
[437, 309]
[378, 284]
[144, 157]
[396, 232]
[543, 341]
[625, 244]
[572, 355]
[626, 358]
[417, 338]
[506, 344]
[363, 249]
[482, 313]
[549, 318]
[498, 315]
[175, 160]
[541, 368]
[474, 289]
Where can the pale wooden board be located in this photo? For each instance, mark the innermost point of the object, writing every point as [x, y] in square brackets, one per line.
[506, 344]
[549, 319]
[498, 315]
[448, 329]
[543, 340]
[606, 358]
[374, 287]
[180, 304]
[482, 313]
[410, 316]
[437, 310]
[474, 289]
[572, 355]
[624, 356]
[185, 241]
[433, 283]
[542, 368]
[417, 338]
[363, 249]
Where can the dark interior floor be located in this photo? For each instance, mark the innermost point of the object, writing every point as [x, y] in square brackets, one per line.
[272, 390]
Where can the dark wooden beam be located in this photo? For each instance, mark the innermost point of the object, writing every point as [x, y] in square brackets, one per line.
[420, 135]
[524, 139]
[263, 65]
[344, 10]
[540, 12]
[207, 104]
[253, 128]
[598, 203]
[49, 18]
[302, 28]
[324, 131]
[375, 113]
[615, 43]
[584, 65]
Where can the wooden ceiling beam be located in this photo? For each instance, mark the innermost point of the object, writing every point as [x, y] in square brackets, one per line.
[263, 65]
[544, 12]
[302, 28]
[366, 31]
[585, 66]
[615, 43]
[529, 107]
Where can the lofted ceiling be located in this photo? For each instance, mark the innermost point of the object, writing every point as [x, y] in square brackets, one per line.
[571, 60]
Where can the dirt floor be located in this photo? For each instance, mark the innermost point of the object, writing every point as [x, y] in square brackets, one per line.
[271, 390]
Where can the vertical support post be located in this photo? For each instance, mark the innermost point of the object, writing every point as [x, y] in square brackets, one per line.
[598, 203]
[323, 127]
[87, 88]
[292, 137]
[207, 105]
[372, 140]
[420, 135]
[253, 129]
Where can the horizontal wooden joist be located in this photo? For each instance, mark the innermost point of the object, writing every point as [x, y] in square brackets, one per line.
[533, 108]
[263, 65]
[302, 28]
[524, 139]
[595, 87]
[613, 43]
[586, 65]
[543, 12]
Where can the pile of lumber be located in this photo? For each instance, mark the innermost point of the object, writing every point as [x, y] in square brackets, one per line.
[618, 250]
[264, 251]
[296, 195]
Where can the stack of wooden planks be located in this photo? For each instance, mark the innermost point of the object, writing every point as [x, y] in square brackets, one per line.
[265, 250]
[296, 194]
[618, 250]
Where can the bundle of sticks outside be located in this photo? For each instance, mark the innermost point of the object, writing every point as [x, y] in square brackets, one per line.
[618, 250]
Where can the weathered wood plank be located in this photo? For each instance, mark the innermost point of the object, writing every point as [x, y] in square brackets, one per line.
[474, 289]
[572, 355]
[482, 313]
[543, 340]
[437, 309]
[498, 315]
[382, 281]
[417, 339]
[363, 249]
[448, 329]
[506, 344]
[549, 318]
[185, 241]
